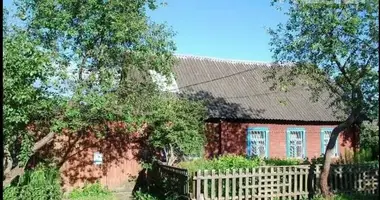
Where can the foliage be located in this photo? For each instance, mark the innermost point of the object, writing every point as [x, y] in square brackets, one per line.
[24, 64]
[334, 47]
[177, 125]
[235, 162]
[41, 184]
[107, 49]
[77, 65]
[349, 157]
[221, 163]
[139, 195]
[356, 196]
[332, 50]
[369, 138]
[91, 191]
[282, 162]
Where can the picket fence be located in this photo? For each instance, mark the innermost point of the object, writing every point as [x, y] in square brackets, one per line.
[267, 182]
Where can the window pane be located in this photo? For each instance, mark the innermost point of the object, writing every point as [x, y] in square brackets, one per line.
[258, 143]
[326, 138]
[296, 145]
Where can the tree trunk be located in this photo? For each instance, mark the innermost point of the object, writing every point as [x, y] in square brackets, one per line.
[11, 174]
[329, 152]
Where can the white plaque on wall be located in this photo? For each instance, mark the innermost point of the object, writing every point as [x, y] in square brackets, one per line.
[98, 158]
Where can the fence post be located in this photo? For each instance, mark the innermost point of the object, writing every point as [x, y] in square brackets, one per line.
[311, 186]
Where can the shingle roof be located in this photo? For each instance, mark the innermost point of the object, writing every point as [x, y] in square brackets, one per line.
[236, 89]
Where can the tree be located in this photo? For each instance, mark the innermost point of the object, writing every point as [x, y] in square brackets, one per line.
[91, 61]
[177, 127]
[23, 63]
[333, 47]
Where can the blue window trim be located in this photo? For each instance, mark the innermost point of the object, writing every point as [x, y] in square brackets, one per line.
[336, 151]
[249, 138]
[288, 140]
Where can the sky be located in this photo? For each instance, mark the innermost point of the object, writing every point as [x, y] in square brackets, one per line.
[229, 29]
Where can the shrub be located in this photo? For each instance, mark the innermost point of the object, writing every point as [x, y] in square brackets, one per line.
[349, 157]
[282, 162]
[139, 195]
[222, 163]
[235, 162]
[91, 191]
[43, 183]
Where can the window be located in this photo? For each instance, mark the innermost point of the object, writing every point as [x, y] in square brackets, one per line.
[295, 143]
[258, 142]
[325, 137]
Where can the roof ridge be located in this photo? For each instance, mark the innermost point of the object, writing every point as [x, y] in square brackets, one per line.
[249, 62]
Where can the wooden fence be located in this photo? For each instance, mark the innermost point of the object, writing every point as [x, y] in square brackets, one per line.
[165, 180]
[362, 178]
[268, 182]
[255, 183]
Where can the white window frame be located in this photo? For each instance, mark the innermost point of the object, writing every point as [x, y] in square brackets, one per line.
[324, 142]
[253, 141]
[290, 139]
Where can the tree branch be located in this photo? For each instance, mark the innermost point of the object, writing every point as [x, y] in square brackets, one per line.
[8, 161]
[363, 70]
[41, 143]
[342, 69]
[20, 170]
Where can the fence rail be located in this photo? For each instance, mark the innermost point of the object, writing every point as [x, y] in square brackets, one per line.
[363, 178]
[255, 183]
[267, 182]
[165, 180]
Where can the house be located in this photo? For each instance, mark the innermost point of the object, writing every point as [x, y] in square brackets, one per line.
[245, 117]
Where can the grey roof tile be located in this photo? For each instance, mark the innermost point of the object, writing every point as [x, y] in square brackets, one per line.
[236, 89]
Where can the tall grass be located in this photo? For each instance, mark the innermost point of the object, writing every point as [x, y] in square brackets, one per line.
[43, 183]
[93, 191]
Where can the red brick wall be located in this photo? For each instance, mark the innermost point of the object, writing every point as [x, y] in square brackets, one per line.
[122, 152]
[212, 147]
[120, 161]
[234, 138]
[74, 152]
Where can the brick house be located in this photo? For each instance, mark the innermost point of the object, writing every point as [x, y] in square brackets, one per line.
[245, 117]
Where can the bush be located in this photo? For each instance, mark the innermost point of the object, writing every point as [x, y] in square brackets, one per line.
[236, 162]
[369, 138]
[349, 157]
[91, 191]
[282, 162]
[222, 163]
[139, 195]
[43, 183]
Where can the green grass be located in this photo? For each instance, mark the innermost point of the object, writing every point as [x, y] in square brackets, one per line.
[350, 197]
[97, 198]
[91, 192]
